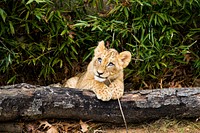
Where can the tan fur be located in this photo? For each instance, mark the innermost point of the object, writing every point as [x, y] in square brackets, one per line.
[108, 62]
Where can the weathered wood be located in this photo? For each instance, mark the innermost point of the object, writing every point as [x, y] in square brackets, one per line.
[29, 102]
[11, 127]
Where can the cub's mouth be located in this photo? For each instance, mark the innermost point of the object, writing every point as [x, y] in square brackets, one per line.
[99, 78]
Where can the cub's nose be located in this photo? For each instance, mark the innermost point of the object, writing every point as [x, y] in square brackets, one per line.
[99, 73]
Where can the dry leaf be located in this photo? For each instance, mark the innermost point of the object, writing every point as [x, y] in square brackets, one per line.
[84, 126]
[30, 127]
[67, 126]
[45, 123]
[52, 130]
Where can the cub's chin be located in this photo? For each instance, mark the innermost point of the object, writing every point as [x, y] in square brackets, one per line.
[99, 79]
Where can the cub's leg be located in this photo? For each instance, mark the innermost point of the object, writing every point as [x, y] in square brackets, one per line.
[117, 89]
[71, 83]
[101, 90]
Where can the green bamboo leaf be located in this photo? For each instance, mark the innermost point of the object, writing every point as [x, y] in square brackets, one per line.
[161, 38]
[195, 29]
[178, 3]
[140, 2]
[11, 28]
[94, 28]
[172, 18]
[51, 15]
[155, 19]
[126, 12]
[73, 49]
[118, 22]
[64, 32]
[53, 29]
[142, 36]
[157, 65]
[88, 55]
[68, 60]
[93, 17]
[8, 60]
[12, 79]
[62, 46]
[23, 45]
[56, 61]
[181, 61]
[73, 56]
[42, 47]
[41, 1]
[153, 76]
[98, 27]
[34, 61]
[114, 10]
[37, 26]
[165, 65]
[170, 3]
[139, 18]
[27, 15]
[29, 2]
[151, 18]
[3, 14]
[163, 16]
[85, 24]
[136, 38]
[51, 70]
[61, 63]
[160, 22]
[164, 27]
[146, 3]
[42, 72]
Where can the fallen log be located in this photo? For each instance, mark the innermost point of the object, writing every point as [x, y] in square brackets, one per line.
[30, 102]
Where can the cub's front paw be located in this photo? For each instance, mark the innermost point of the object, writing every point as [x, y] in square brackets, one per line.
[104, 96]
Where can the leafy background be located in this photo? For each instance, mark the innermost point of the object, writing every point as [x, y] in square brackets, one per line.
[46, 41]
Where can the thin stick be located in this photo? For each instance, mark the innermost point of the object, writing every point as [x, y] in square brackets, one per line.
[122, 112]
[120, 106]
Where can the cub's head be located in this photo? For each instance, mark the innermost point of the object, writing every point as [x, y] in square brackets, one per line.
[108, 63]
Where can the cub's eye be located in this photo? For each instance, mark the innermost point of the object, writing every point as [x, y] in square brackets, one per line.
[111, 64]
[99, 60]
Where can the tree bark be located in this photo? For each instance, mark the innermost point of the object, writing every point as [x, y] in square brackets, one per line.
[30, 102]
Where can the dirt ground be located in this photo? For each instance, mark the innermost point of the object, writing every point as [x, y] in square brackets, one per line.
[161, 126]
[158, 126]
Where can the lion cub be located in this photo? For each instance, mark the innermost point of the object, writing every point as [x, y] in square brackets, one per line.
[104, 75]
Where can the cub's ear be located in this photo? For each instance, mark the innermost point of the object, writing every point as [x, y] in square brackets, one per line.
[100, 48]
[125, 57]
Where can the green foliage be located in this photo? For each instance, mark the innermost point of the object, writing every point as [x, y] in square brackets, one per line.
[33, 33]
[46, 35]
[158, 33]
